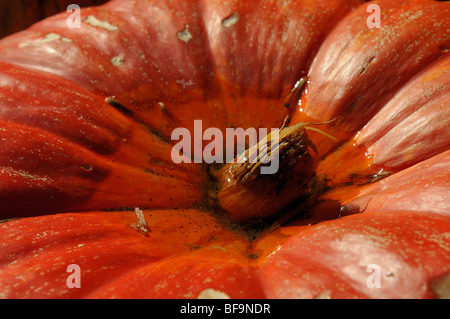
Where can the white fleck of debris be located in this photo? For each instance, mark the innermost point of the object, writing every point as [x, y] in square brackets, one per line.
[185, 35]
[118, 60]
[93, 21]
[184, 84]
[142, 225]
[212, 294]
[48, 38]
[233, 19]
[23, 174]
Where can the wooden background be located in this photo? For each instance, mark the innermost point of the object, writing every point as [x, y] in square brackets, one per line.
[16, 15]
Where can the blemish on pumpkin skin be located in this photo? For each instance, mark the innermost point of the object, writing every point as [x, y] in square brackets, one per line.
[217, 247]
[87, 168]
[48, 38]
[141, 224]
[444, 48]
[253, 256]
[185, 35]
[365, 66]
[118, 60]
[93, 21]
[185, 83]
[231, 20]
[442, 240]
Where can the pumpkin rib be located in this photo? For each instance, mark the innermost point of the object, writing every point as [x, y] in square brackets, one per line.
[83, 238]
[401, 244]
[422, 187]
[91, 178]
[232, 49]
[89, 172]
[186, 278]
[401, 48]
[412, 127]
[52, 109]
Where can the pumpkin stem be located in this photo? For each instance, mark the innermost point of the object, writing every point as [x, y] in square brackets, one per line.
[249, 191]
[321, 132]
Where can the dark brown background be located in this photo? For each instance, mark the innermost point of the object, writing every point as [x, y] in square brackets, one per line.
[16, 15]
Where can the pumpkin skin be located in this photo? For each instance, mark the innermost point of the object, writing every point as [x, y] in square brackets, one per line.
[68, 155]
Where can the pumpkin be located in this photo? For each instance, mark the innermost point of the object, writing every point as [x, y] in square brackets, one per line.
[359, 210]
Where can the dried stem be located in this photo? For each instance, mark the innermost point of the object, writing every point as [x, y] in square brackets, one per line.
[247, 194]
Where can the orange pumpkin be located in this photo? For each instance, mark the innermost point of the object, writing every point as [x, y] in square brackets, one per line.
[86, 121]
